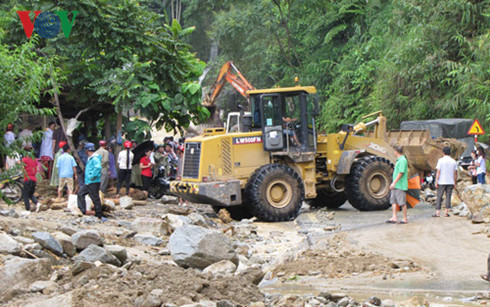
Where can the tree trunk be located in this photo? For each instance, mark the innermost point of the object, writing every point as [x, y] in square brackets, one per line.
[118, 133]
[107, 126]
[68, 137]
[62, 122]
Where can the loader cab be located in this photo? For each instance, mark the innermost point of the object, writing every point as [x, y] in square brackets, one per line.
[286, 117]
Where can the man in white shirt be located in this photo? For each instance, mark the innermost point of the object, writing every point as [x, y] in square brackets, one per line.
[9, 136]
[446, 178]
[47, 143]
[125, 161]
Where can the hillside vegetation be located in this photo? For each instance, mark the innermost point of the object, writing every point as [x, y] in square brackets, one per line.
[413, 59]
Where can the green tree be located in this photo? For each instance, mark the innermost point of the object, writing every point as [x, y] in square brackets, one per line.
[121, 56]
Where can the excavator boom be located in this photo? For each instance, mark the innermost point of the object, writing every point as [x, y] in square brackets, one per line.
[231, 74]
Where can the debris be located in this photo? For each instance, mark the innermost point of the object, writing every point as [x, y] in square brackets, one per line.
[81, 266]
[172, 222]
[66, 242]
[224, 216]
[477, 198]
[220, 268]
[68, 230]
[17, 273]
[126, 202]
[48, 242]
[95, 253]
[8, 245]
[198, 247]
[118, 251]
[148, 239]
[82, 239]
[149, 225]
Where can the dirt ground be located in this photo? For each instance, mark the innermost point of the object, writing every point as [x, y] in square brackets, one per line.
[342, 260]
[322, 250]
[105, 286]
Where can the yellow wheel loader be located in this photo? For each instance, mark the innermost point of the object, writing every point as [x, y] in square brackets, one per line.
[277, 160]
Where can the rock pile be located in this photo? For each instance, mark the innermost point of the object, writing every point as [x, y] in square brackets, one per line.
[477, 199]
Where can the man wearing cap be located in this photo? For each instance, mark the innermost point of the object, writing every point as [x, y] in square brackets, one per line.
[125, 161]
[9, 136]
[92, 182]
[104, 154]
[67, 169]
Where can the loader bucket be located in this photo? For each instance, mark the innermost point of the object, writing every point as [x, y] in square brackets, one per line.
[422, 151]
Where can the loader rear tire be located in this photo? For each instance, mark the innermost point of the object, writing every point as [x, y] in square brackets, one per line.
[368, 184]
[274, 193]
[329, 199]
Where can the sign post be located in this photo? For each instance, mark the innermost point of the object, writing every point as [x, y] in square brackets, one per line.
[476, 130]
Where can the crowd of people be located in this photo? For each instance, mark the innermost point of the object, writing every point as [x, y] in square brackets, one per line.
[92, 169]
[446, 179]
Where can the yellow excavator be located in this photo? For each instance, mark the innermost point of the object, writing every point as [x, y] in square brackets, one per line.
[277, 160]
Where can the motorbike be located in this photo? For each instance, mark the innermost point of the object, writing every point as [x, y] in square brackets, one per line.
[160, 184]
[429, 180]
[12, 188]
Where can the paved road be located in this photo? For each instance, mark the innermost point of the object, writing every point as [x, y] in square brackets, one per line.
[444, 246]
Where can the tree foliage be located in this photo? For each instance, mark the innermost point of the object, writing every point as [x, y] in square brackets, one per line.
[122, 56]
[412, 59]
[23, 80]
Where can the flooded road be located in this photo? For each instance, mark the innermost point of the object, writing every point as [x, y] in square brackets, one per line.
[451, 250]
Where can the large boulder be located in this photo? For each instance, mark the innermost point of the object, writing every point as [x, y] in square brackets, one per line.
[48, 242]
[17, 274]
[198, 247]
[82, 239]
[477, 198]
[96, 253]
[8, 245]
[66, 242]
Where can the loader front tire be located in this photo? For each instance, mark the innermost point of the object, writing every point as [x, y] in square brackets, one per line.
[329, 199]
[368, 184]
[274, 193]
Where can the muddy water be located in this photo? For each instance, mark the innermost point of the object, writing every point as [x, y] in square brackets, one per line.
[451, 255]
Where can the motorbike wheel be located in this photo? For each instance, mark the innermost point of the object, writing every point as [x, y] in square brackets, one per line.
[13, 191]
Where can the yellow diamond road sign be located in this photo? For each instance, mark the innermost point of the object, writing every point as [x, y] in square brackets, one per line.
[476, 128]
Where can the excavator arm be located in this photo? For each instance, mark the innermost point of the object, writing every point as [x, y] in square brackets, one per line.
[231, 74]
